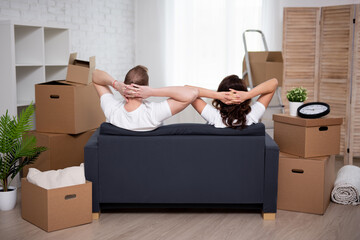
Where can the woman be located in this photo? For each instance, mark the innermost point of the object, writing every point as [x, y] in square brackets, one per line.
[233, 109]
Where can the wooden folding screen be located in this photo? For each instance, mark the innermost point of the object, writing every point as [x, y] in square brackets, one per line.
[355, 94]
[321, 50]
[300, 50]
[336, 36]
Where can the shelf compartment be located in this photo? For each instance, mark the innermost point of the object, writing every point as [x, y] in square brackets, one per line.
[55, 73]
[26, 78]
[29, 45]
[56, 46]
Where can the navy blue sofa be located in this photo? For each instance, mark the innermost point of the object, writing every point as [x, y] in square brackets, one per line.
[185, 165]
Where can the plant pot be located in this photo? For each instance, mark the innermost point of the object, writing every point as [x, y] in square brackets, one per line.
[293, 107]
[8, 199]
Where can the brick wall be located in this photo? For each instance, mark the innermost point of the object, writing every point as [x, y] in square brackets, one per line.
[101, 28]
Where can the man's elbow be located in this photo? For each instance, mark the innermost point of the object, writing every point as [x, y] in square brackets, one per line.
[193, 94]
[96, 75]
[276, 83]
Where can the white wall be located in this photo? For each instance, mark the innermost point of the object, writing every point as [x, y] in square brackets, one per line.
[103, 28]
[150, 39]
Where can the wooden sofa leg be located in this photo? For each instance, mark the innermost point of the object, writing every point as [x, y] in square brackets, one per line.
[96, 215]
[268, 216]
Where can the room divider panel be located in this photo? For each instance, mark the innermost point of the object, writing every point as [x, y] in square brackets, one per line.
[321, 53]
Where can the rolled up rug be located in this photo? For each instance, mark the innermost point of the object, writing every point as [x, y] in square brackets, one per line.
[347, 186]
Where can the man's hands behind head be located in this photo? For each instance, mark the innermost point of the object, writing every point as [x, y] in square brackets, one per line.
[137, 91]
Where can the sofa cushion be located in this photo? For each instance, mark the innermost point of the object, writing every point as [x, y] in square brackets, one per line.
[185, 129]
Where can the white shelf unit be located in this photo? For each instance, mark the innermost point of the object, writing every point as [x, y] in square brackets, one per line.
[30, 54]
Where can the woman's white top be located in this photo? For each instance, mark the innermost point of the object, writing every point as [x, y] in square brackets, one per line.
[213, 116]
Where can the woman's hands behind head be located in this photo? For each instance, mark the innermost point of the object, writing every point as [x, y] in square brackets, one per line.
[225, 97]
[233, 97]
[238, 97]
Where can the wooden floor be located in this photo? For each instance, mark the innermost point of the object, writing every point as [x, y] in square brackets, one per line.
[339, 222]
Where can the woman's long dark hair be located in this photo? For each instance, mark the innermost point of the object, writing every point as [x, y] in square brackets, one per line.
[234, 115]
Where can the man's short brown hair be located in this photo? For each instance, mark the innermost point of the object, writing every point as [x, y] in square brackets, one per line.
[137, 75]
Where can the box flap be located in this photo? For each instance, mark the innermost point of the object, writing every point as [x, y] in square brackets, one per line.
[92, 62]
[274, 57]
[72, 58]
[258, 56]
[81, 63]
[92, 68]
[80, 71]
[325, 121]
[56, 82]
[287, 155]
[61, 83]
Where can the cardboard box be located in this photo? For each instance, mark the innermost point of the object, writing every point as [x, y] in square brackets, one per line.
[305, 185]
[264, 66]
[63, 107]
[64, 150]
[307, 137]
[58, 208]
[80, 71]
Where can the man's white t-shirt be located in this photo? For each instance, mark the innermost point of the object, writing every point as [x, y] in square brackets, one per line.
[213, 116]
[148, 116]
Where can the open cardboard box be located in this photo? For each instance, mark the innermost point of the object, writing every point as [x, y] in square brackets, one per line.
[307, 137]
[57, 208]
[65, 107]
[304, 184]
[64, 150]
[80, 71]
[264, 66]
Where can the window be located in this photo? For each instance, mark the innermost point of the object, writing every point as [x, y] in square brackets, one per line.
[204, 39]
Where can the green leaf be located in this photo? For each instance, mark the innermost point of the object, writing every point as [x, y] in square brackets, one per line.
[298, 94]
[17, 149]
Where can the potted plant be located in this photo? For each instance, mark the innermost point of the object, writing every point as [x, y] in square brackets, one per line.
[17, 149]
[296, 97]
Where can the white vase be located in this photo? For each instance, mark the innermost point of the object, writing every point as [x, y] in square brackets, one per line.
[8, 199]
[293, 107]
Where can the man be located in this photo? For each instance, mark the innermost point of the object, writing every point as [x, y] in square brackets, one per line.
[135, 113]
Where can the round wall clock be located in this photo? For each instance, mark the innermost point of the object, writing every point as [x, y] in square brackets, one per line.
[313, 110]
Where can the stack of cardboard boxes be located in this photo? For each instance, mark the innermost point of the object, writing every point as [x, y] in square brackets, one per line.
[307, 161]
[67, 114]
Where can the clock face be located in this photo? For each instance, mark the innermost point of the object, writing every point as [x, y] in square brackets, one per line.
[313, 110]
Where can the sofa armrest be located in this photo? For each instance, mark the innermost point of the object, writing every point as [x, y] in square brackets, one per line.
[91, 163]
[271, 175]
